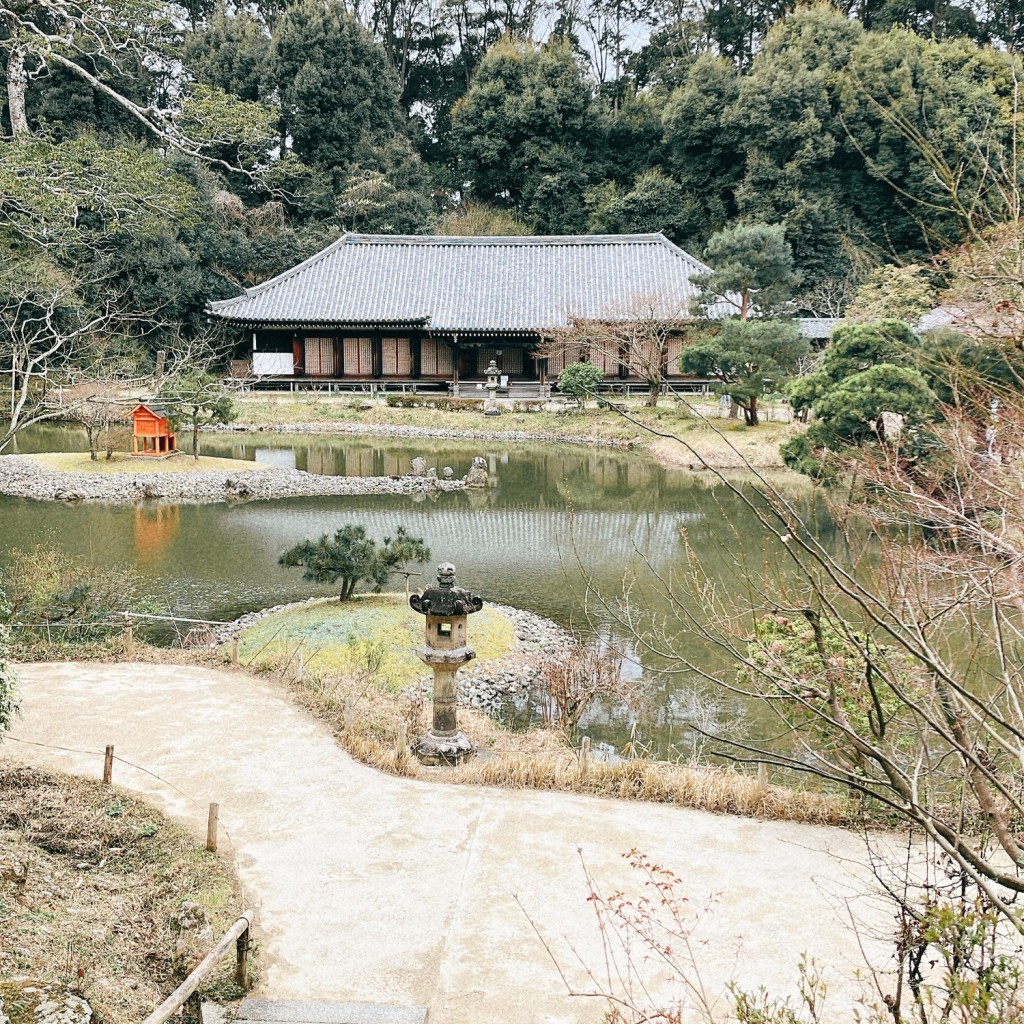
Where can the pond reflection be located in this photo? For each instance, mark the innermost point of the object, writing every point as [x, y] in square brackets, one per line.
[565, 532]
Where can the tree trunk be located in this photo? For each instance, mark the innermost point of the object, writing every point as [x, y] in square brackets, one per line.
[16, 86]
[195, 436]
[750, 412]
[653, 393]
[734, 409]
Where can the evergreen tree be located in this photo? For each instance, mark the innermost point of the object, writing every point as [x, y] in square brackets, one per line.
[751, 269]
[339, 92]
[525, 132]
[800, 170]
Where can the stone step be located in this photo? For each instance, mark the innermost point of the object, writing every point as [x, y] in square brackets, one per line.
[301, 1011]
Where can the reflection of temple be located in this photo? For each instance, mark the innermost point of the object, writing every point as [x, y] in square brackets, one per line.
[155, 528]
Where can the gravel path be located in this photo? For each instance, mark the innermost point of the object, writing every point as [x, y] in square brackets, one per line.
[378, 889]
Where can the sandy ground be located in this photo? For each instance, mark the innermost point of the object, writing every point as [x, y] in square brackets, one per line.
[378, 889]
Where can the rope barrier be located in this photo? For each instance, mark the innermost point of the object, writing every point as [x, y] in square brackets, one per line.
[146, 771]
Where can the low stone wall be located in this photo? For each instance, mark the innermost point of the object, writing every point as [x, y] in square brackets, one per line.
[401, 430]
[23, 478]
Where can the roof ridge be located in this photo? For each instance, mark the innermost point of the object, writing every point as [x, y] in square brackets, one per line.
[265, 286]
[354, 238]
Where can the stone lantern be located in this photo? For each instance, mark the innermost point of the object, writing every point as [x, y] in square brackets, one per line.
[492, 373]
[446, 607]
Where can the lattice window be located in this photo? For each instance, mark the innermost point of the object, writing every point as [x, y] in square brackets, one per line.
[510, 362]
[358, 357]
[318, 359]
[605, 359]
[436, 359]
[673, 349]
[561, 358]
[396, 358]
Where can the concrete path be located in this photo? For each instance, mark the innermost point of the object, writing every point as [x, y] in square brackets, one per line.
[377, 889]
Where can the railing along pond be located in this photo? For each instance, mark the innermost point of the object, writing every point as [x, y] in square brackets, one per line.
[239, 934]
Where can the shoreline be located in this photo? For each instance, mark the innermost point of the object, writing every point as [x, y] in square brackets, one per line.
[22, 477]
[670, 453]
[436, 433]
[486, 685]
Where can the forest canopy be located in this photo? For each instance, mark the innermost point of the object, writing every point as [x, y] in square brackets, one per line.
[157, 156]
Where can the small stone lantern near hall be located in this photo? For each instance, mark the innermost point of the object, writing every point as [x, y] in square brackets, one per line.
[446, 607]
[493, 373]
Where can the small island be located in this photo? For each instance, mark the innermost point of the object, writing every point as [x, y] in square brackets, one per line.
[130, 480]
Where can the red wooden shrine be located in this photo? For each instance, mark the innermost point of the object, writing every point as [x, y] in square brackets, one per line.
[151, 431]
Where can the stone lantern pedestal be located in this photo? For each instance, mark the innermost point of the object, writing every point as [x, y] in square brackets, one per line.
[446, 608]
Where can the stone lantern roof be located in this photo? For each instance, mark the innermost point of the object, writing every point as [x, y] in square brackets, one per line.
[446, 599]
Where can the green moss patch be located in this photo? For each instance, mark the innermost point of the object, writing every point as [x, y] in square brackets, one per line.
[376, 634]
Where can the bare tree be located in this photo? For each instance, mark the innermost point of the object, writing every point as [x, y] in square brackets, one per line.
[829, 297]
[893, 666]
[86, 39]
[97, 405]
[641, 336]
[43, 325]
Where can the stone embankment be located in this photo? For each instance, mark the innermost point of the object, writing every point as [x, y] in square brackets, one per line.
[492, 685]
[443, 433]
[21, 477]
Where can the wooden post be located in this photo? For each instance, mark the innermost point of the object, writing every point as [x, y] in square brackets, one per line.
[211, 828]
[234, 649]
[402, 743]
[584, 757]
[349, 715]
[108, 764]
[242, 961]
[129, 644]
[762, 774]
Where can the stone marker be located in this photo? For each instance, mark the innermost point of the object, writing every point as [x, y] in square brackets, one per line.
[477, 476]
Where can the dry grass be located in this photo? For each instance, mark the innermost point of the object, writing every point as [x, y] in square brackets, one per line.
[542, 759]
[79, 462]
[92, 884]
[724, 444]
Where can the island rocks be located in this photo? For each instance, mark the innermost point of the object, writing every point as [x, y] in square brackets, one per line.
[21, 477]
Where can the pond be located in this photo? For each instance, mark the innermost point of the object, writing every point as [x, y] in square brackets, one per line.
[561, 531]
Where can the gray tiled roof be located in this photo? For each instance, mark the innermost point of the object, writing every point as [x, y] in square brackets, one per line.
[473, 283]
[819, 328]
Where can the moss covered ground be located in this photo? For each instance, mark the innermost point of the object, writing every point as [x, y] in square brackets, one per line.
[375, 634]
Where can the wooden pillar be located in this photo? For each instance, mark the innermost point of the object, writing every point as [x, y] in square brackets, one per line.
[415, 356]
[297, 355]
[376, 357]
[456, 358]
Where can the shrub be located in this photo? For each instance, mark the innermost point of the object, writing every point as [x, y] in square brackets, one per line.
[580, 380]
[352, 557]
